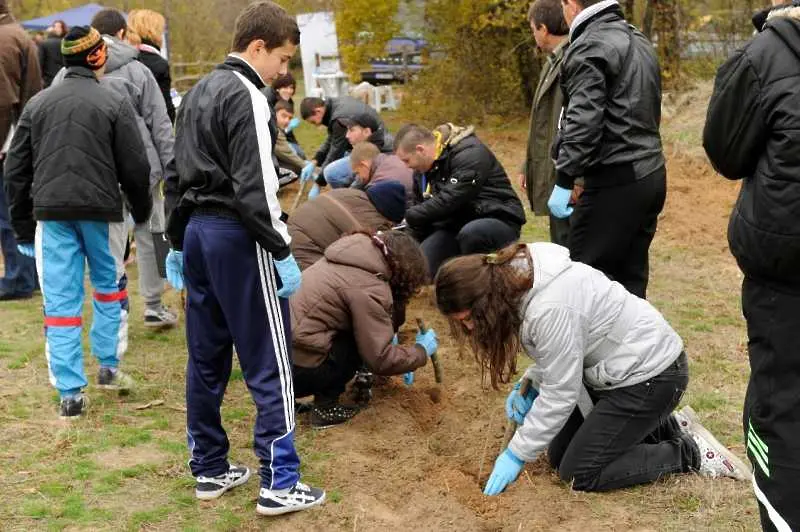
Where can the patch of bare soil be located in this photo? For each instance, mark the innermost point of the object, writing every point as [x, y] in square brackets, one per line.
[418, 457]
[130, 457]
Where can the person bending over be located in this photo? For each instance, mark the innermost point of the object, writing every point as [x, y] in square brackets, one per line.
[337, 114]
[343, 317]
[463, 200]
[609, 370]
[315, 225]
[372, 167]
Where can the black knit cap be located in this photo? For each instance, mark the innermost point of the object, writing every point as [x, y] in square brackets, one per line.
[83, 46]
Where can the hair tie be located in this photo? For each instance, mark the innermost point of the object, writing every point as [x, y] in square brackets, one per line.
[491, 258]
[381, 245]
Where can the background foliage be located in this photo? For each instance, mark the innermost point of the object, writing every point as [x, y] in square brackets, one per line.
[482, 60]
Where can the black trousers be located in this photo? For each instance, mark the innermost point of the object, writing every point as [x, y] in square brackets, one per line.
[612, 228]
[483, 235]
[559, 231]
[772, 404]
[629, 438]
[328, 381]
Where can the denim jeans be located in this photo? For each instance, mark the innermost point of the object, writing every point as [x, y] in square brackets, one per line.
[629, 438]
[339, 174]
[20, 271]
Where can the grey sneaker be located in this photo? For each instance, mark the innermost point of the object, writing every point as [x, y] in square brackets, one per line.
[108, 379]
[298, 497]
[208, 488]
[159, 319]
[73, 407]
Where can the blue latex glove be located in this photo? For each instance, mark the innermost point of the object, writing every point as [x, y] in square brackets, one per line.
[507, 468]
[175, 269]
[307, 172]
[408, 378]
[26, 249]
[559, 202]
[293, 123]
[518, 406]
[428, 340]
[314, 191]
[290, 276]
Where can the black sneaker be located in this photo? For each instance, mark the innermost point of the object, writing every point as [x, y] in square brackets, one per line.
[325, 416]
[160, 319]
[212, 487]
[299, 497]
[73, 407]
[115, 380]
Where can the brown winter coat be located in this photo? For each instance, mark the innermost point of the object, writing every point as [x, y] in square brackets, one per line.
[317, 224]
[388, 167]
[17, 53]
[348, 291]
[540, 173]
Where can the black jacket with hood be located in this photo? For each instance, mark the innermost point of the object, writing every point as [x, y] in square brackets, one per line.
[466, 182]
[752, 133]
[75, 145]
[223, 150]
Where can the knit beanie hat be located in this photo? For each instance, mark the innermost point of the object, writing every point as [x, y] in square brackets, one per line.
[389, 198]
[84, 46]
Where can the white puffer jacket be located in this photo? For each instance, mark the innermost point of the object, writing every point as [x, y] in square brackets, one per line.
[582, 329]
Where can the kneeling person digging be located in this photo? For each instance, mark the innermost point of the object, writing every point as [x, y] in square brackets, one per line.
[344, 316]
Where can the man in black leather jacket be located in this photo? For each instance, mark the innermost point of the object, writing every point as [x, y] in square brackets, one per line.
[463, 200]
[752, 133]
[609, 135]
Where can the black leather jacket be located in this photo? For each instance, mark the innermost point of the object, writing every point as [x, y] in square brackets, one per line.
[609, 131]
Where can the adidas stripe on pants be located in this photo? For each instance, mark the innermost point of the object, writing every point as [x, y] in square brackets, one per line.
[231, 300]
[772, 405]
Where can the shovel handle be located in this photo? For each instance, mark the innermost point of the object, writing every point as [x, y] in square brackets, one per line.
[511, 427]
[299, 194]
[437, 367]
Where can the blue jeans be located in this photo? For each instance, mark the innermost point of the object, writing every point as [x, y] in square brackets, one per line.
[20, 271]
[339, 174]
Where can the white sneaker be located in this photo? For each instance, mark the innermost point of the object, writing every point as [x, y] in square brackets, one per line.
[686, 418]
[208, 488]
[299, 497]
[715, 459]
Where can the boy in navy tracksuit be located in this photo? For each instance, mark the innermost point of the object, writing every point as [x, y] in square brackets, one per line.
[76, 145]
[238, 268]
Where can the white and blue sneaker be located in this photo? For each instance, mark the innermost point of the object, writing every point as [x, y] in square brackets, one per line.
[208, 488]
[294, 499]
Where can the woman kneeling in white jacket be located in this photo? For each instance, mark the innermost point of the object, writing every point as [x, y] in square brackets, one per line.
[609, 370]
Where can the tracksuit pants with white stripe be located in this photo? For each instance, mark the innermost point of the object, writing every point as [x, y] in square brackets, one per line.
[772, 405]
[231, 300]
[62, 250]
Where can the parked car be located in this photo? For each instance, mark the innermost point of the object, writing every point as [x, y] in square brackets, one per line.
[404, 58]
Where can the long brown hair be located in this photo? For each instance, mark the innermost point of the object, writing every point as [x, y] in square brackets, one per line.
[407, 264]
[491, 287]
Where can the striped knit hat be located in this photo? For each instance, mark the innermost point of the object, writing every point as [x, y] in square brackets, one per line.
[84, 46]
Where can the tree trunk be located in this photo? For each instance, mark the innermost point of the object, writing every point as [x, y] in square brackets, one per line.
[629, 11]
[649, 15]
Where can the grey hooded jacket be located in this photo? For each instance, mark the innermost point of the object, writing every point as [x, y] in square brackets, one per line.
[582, 329]
[133, 80]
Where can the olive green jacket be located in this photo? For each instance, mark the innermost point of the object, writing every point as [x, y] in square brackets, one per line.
[539, 170]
